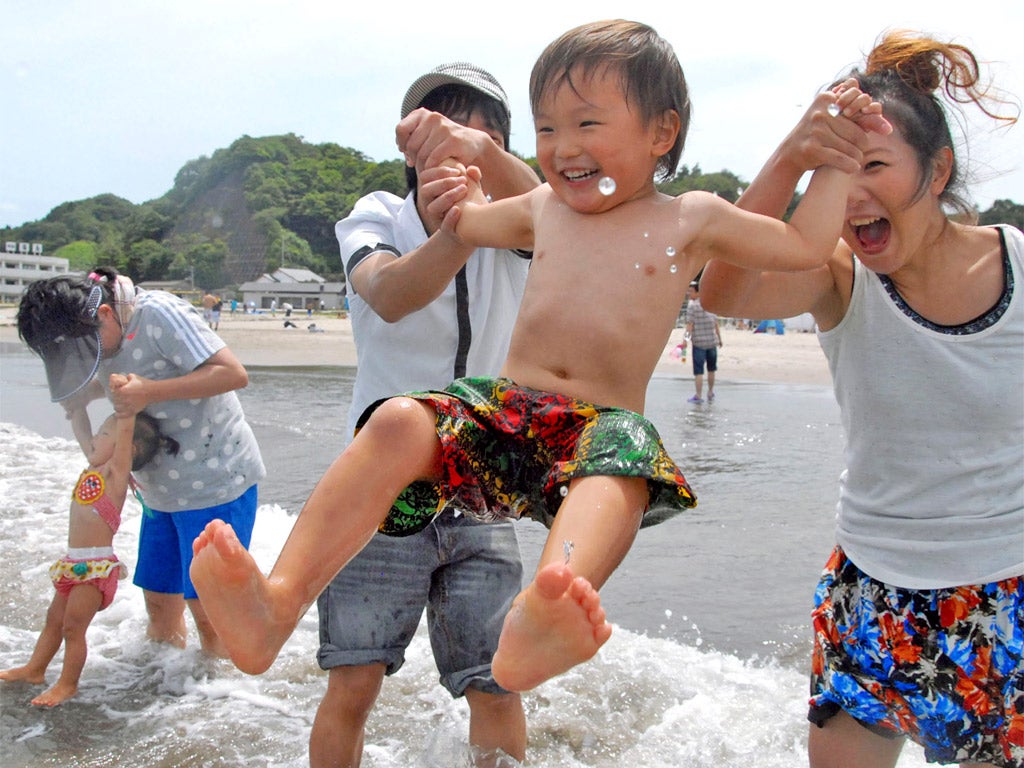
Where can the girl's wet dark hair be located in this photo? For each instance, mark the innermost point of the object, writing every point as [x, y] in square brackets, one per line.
[908, 73]
[458, 102]
[59, 306]
[652, 78]
[148, 439]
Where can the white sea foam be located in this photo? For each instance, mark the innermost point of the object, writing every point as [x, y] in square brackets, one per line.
[642, 701]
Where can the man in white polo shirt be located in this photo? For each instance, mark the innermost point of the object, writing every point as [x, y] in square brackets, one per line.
[421, 317]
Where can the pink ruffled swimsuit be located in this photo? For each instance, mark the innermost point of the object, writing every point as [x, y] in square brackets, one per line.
[96, 565]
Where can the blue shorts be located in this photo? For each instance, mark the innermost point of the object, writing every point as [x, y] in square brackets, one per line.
[702, 355]
[463, 571]
[165, 542]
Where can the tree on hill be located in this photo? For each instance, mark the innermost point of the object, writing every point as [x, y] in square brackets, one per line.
[1004, 212]
[725, 184]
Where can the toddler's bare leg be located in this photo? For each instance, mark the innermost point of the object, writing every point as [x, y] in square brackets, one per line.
[554, 624]
[557, 622]
[253, 614]
[47, 645]
[82, 604]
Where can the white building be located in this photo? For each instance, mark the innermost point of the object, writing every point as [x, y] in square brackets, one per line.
[24, 263]
[300, 288]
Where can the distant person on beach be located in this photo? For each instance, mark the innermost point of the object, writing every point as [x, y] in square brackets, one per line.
[612, 261]
[918, 614]
[85, 578]
[215, 314]
[180, 371]
[705, 338]
[423, 313]
[208, 302]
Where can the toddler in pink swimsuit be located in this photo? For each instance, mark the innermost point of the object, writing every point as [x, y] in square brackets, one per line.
[85, 578]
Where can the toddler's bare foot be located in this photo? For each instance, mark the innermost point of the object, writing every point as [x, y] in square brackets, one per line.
[60, 692]
[238, 599]
[23, 674]
[556, 623]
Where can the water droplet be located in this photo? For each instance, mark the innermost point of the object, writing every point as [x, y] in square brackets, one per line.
[673, 268]
[636, 265]
[567, 547]
[647, 234]
[833, 109]
[563, 491]
[606, 186]
[670, 252]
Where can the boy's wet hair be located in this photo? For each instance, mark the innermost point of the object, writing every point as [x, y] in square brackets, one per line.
[652, 78]
[148, 439]
[908, 73]
[458, 103]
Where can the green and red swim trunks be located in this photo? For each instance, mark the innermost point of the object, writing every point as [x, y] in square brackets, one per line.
[509, 451]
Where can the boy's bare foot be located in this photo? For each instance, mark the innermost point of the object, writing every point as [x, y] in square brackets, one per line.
[238, 599]
[554, 624]
[23, 674]
[56, 695]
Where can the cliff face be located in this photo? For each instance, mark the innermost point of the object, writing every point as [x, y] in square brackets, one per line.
[221, 212]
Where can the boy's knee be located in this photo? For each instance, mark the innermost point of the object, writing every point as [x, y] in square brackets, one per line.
[397, 415]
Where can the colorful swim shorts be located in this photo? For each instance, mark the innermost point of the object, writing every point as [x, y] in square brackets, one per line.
[942, 666]
[509, 451]
[98, 566]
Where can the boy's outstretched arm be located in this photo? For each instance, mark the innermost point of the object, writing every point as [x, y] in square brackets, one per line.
[505, 223]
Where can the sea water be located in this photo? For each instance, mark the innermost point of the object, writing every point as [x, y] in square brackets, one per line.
[706, 665]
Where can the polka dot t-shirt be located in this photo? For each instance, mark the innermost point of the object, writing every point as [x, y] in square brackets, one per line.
[219, 458]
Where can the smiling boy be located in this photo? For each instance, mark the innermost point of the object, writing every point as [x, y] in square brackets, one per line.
[559, 435]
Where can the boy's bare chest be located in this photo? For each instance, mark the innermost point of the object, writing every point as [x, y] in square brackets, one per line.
[644, 241]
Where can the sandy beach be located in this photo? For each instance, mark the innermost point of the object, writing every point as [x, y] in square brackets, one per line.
[263, 340]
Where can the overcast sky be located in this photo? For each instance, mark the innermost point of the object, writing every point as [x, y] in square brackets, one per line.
[102, 96]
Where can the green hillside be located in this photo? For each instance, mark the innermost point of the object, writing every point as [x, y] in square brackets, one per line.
[260, 204]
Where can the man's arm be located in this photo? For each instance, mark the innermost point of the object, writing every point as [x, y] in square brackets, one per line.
[428, 138]
[395, 287]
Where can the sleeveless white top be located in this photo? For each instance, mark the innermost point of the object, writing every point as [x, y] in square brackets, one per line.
[933, 493]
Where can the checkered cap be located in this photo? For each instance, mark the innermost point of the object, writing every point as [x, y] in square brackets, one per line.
[457, 73]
